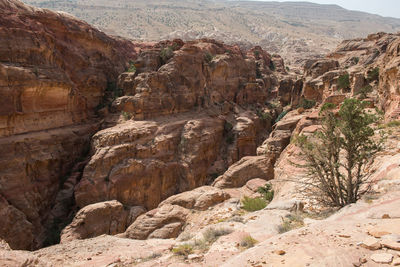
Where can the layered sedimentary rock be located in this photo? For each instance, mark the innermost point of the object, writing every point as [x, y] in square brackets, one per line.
[185, 122]
[53, 71]
[374, 61]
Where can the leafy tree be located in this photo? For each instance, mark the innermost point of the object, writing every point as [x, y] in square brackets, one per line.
[373, 75]
[166, 54]
[337, 155]
[344, 81]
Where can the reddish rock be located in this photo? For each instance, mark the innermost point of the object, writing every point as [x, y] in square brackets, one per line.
[199, 199]
[244, 170]
[165, 222]
[54, 70]
[101, 218]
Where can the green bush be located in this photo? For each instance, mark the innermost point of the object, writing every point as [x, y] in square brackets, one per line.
[272, 66]
[208, 57]
[267, 192]
[283, 114]
[307, 104]
[253, 204]
[132, 67]
[183, 250]
[166, 54]
[344, 81]
[290, 222]
[363, 93]
[390, 124]
[373, 75]
[264, 116]
[355, 60]
[126, 115]
[258, 71]
[211, 234]
[248, 242]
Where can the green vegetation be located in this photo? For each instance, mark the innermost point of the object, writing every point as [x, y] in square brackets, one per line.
[337, 155]
[183, 250]
[212, 234]
[267, 192]
[209, 237]
[253, 204]
[290, 222]
[306, 104]
[272, 66]
[228, 133]
[344, 81]
[283, 114]
[126, 115]
[132, 67]
[355, 60]
[390, 124]
[257, 54]
[373, 75]
[166, 54]
[364, 91]
[111, 93]
[248, 242]
[208, 57]
[258, 71]
[264, 116]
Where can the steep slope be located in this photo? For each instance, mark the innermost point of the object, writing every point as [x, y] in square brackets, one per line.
[54, 70]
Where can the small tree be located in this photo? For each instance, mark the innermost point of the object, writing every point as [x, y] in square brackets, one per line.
[344, 81]
[337, 155]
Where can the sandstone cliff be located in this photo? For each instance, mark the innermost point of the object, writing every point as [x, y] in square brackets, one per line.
[53, 72]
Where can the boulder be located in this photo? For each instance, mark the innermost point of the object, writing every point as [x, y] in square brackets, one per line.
[199, 199]
[108, 217]
[164, 222]
[384, 258]
[244, 170]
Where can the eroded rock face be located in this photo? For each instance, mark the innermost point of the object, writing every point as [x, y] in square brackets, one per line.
[199, 74]
[190, 120]
[53, 71]
[199, 199]
[143, 163]
[244, 170]
[164, 222]
[108, 217]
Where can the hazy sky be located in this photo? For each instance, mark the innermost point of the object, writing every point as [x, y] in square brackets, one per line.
[387, 8]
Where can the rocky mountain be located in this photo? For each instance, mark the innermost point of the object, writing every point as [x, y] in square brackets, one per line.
[117, 153]
[295, 30]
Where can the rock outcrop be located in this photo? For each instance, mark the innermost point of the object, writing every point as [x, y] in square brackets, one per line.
[101, 218]
[164, 222]
[244, 170]
[181, 125]
[198, 199]
[53, 72]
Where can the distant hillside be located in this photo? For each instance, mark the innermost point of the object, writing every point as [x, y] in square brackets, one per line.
[293, 29]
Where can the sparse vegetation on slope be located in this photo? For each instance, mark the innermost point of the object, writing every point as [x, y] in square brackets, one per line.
[337, 155]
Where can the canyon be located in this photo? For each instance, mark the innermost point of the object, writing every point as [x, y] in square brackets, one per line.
[117, 153]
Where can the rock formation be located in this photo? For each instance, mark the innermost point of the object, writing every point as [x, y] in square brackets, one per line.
[167, 149]
[54, 70]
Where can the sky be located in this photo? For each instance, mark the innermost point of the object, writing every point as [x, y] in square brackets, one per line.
[386, 8]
